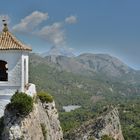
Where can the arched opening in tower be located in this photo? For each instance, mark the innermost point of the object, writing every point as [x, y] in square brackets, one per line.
[3, 71]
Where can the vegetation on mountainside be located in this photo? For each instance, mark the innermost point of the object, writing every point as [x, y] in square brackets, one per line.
[21, 104]
[45, 97]
[130, 119]
[106, 137]
[1, 126]
[44, 130]
[74, 118]
[91, 139]
[91, 93]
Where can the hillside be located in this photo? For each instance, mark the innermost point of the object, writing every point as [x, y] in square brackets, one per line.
[87, 72]
[108, 123]
[72, 81]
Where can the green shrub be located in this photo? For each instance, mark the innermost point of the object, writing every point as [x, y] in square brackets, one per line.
[44, 131]
[91, 138]
[106, 137]
[1, 126]
[45, 97]
[21, 104]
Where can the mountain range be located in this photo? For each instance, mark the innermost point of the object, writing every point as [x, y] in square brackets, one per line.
[88, 63]
[91, 64]
[91, 81]
[95, 67]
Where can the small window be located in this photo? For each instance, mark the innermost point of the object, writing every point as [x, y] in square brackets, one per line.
[3, 71]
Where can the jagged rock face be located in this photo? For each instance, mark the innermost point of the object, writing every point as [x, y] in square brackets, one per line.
[41, 124]
[107, 124]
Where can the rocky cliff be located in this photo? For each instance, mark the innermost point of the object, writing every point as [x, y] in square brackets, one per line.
[41, 124]
[107, 124]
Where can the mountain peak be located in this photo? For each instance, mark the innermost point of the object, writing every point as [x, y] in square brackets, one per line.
[59, 51]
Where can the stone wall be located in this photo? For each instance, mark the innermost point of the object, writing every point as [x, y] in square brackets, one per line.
[30, 127]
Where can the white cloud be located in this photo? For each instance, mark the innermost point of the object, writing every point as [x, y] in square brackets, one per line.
[71, 19]
[54, 34]
[31, 21]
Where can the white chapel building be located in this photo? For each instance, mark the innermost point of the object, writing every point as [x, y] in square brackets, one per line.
[14, 61]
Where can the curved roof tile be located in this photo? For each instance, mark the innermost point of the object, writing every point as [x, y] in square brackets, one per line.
[9, 42]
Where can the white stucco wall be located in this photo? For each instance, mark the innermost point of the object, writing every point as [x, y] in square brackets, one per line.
[13, 60]
[17, 63]
[24, 70]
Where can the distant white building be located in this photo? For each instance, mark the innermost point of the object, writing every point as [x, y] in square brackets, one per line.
[14, 61]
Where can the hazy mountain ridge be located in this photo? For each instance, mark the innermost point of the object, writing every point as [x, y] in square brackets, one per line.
[59, 51]
[104, 63]
[87, 63]
[91, 65]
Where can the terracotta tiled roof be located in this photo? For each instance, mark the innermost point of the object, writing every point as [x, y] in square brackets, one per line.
[9, 42]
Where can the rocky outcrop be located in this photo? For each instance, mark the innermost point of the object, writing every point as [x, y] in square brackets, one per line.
[41, 124]
[107, 124]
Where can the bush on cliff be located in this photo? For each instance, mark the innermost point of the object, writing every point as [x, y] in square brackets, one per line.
[45, 97]
[21, 104]
[106, 137]
[1, 126]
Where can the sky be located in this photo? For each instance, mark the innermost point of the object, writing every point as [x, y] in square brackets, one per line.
[95, 26]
